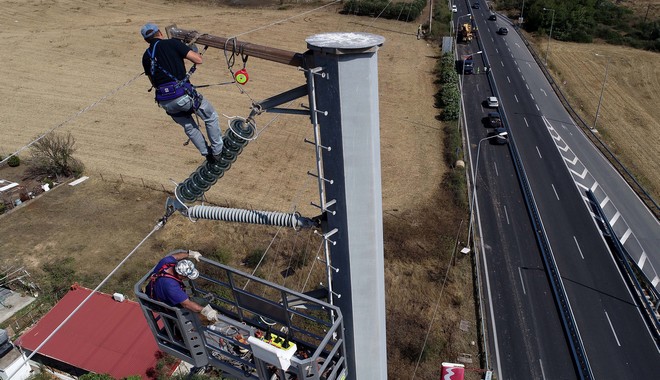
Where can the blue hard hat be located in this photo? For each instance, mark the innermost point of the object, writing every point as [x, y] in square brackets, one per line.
[148, 30]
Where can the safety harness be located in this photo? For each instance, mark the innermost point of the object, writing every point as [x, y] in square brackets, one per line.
[162, 272]
[176, 88]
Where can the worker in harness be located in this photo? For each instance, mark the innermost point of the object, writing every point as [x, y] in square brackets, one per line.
[166, 283]
[164, 64]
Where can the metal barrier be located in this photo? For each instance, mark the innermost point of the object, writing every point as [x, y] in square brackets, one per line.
[265, 331]
[558, 290]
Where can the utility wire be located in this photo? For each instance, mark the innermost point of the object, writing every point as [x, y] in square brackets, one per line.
[156, 228]
[82, 111]
[287, 19]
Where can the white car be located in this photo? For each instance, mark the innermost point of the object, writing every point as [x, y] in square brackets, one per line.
[492, 102]
[454, 9]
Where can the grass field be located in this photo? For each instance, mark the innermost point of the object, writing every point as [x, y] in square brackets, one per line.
[629, 116]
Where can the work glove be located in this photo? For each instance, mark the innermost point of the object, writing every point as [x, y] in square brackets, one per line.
[210, 313]
[194, 254]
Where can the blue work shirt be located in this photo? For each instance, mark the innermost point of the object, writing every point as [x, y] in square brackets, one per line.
[167, 289]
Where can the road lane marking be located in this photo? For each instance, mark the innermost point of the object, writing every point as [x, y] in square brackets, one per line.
[604, 202]
[642, 260]
[516, 98]
[507, 78]
[526, 123]
[538, 151]
[502, 63]
[537, 107]
[573, 161]
[506, 214]
[553, 188]
[497, 51]
[542, 371]
[594, 186]
[530, 94]
[517, 44]
[516, 62]
[521, 280]
[612, 327]
[520, 71]
[530, 66]
[584, 173]
[578, 247]
[526, 86]
[544, 93]
[625, 236]
[492, 39]
[497, 174]
[615, 218]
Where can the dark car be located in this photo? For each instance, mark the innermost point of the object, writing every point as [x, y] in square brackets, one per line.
[475, 6]
[492, 17]
[503, 31]
[499, 140]
[494, 120]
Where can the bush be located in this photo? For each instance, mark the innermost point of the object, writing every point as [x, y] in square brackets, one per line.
[13, 161]
[53, 156]
[253, 258]
[382, 8]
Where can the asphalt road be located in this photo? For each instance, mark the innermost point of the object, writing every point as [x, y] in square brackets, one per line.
[616, 339]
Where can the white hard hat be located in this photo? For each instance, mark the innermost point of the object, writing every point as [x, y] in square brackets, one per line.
[186, 268]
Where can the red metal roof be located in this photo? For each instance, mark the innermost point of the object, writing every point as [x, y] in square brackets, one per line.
[104, 336]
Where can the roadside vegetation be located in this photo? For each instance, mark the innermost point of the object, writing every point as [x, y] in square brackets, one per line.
[586, 21]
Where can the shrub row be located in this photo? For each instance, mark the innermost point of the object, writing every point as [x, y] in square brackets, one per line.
[382, 8]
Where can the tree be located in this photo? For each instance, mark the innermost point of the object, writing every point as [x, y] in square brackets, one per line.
[52, 155]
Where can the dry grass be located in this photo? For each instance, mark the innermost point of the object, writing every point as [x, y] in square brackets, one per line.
[629, 117]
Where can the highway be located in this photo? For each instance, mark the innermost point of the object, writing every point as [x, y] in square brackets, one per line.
[526, 336]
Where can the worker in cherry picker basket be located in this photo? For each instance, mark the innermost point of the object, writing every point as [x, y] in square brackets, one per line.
[166, 283]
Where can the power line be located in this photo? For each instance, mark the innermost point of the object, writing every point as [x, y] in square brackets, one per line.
[82, 111]
[156, 228]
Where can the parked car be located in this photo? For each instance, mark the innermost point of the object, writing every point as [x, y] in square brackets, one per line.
[503, 31]
[499, 140]
[454, 9]
[492, 16]
[494, 120]
[492, 102]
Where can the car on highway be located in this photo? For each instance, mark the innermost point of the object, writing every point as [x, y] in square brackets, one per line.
[492, 102]
[475, 5]
[454, 9]
[494, 120]
[502, 137]
[503, 31]
[492, 16]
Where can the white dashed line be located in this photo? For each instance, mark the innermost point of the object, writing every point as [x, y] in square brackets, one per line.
[530, 66]
[555, 190]
[537, 107]
[522, 282]
[516, 98]
[530, 94]
[507, 78]
[496, 172]
[544, 93]
[526, 86]
[526, 123]
[578, 247]
[502, 63]
[538, 151]
[506, 214]
[612, 327]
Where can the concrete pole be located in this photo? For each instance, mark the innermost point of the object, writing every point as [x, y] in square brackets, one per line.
[349, 93]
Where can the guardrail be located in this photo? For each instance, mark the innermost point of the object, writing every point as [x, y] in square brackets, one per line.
[623, 259]
[621, 168]
[558, 290]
